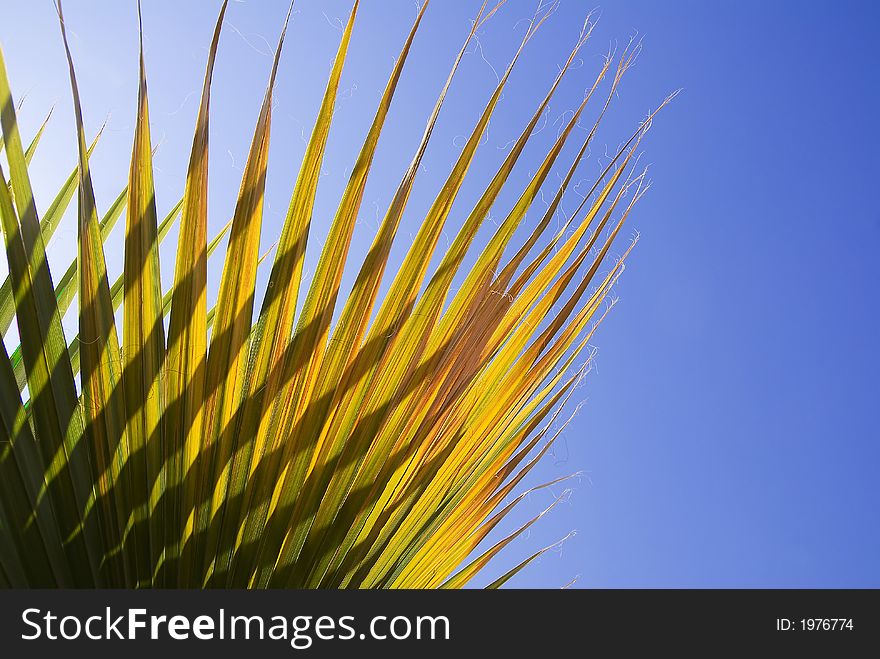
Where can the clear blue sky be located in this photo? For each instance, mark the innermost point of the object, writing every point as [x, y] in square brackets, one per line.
[729, 434]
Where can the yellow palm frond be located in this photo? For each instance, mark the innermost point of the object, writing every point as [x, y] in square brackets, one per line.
[222, 445]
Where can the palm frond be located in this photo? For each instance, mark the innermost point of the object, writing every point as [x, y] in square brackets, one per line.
[220, 445]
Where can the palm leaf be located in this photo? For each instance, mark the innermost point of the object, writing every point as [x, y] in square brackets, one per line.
[385, 450]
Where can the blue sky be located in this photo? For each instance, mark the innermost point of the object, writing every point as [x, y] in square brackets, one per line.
[728, 435]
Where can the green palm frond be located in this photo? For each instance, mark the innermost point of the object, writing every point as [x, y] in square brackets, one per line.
[211, 443]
